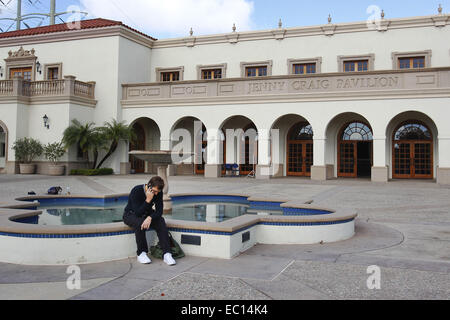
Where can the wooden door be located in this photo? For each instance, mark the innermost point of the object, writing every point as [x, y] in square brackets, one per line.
[299, 158]
[413, 159]
[22, 72]
[347, 159]
[423, 160]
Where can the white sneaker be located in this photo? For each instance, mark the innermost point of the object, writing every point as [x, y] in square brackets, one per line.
[144, 259]
[169, 259]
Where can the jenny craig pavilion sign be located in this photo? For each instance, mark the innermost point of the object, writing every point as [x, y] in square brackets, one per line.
[411, 82]
[323, 84]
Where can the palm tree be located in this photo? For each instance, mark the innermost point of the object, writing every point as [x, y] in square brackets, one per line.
[115, 131]
[80, 135]
[97, 142]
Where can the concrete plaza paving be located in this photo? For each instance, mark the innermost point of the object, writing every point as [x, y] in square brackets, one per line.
[403, 227]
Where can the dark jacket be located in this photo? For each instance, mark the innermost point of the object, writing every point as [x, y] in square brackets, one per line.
[140, 207]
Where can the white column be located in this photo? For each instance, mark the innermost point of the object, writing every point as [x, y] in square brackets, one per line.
[379, 151]
[264, 148]
[320, 171]
[319, 151]
[379, 169]
[214, 148]
[263, 170]
[443, 171]
[444, 152]
[213, 167]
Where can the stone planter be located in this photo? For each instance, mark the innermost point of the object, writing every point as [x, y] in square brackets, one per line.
[55, 170]
[26, 168]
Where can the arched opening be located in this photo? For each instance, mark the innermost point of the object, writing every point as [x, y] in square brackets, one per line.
[3, 146]
[290, 148]
[243, 150]
[196, 144]
[355, 150]
[148, 138]
[300, 145]
[412, 144]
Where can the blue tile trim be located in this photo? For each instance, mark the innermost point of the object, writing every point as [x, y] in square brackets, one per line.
[64, 236]
[109, 234]
[80, 201]
[303, 212]
[264, 205]
[324, 223]
[295, 224]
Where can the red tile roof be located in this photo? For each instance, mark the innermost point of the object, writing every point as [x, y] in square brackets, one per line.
[63, 27]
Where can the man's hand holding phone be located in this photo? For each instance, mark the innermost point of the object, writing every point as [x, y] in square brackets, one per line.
[149, 194]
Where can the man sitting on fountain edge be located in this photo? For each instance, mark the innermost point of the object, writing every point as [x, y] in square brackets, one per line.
[140, 215]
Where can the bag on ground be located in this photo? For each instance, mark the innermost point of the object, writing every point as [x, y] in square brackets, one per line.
[54, 190]
[177, 252]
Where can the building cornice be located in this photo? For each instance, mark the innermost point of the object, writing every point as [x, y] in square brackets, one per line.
[317, 97]
[48, 100]
[326, 30]
[113, 31]
[374, 85]
[438, 21]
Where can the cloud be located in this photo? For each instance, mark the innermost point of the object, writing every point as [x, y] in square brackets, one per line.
[175, 17]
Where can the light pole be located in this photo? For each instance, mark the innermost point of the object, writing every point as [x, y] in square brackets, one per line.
[51, 15]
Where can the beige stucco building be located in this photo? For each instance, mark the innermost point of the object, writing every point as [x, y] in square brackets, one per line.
[326, 101]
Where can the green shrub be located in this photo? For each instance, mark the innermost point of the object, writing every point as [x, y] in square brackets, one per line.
[27, 149]
[54, 151]
[92, 172]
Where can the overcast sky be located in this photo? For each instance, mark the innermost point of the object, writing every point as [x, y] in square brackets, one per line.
[174, 18]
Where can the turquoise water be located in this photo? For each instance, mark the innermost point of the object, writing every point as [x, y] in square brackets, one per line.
[78, 215]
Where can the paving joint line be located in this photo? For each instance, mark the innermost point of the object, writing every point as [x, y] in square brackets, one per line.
[179, 274]
[258, 290]
[284, 269]
[312, 288]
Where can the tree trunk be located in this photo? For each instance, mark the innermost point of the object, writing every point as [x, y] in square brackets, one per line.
[111, 150]
[95, 158]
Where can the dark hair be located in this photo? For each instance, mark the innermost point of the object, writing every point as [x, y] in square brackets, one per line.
[157, 182]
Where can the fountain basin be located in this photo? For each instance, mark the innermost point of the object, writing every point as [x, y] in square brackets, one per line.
[295, 223]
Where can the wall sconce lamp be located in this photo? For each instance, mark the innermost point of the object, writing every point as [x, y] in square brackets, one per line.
[46, 125]
[38, 67]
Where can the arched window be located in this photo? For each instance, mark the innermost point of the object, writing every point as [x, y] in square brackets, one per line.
[357, 131]
[301, 131]
[412, 130]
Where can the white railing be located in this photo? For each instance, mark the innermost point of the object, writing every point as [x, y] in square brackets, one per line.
[6, 88]
[66, 87]
[46, 88]
[83, 89]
